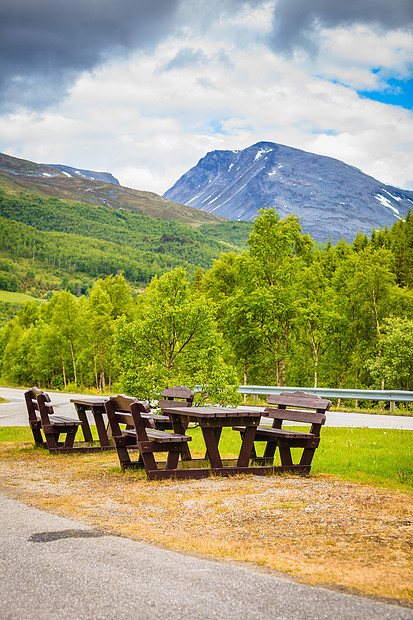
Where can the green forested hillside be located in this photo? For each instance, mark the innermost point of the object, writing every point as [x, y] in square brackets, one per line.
[47, 244]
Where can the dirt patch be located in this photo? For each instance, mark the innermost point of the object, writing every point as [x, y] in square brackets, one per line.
[321, 530]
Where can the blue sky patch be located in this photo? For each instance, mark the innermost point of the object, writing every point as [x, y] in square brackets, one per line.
[398, 92]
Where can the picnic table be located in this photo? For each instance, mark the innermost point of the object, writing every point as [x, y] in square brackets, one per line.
[95, 404]
[212, 420]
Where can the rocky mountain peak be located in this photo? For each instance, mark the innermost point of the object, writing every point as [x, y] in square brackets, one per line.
[333, 199]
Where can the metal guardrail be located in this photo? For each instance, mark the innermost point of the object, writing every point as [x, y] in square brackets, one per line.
[387, 395]
[391, 396]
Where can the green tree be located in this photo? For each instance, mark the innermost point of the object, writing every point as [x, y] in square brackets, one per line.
[394, 367]
[101, 324]
[174, 341]
[365, 289]
[65, 326]
[267, 298]
[316, 316]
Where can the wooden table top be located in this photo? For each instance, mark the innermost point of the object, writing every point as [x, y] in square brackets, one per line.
[90, 400]
[212, 412]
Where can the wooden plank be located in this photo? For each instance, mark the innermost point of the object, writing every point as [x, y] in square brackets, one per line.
[63, 421]
[172, 403]
[280, 432]
[162, 474]
[179, 392]
[295, 415]
[299, 399]
[90, 401]
[165, 437]
[210, 412]
[124, 418]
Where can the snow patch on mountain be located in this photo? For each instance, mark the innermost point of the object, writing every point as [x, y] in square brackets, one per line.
[261, 153]
[385, 202]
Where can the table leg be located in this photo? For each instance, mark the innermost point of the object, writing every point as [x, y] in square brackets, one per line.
[217, 433]
[81, 412]
[246, 446]
[212, 447]
[179, 428]
[101, 427]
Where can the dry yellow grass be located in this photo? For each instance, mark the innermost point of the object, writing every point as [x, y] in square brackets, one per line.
[320, 529]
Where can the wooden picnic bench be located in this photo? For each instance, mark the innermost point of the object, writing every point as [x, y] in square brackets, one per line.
[291, 407]
[35, 423]
[43, 418]
[47, 426]
[130, 429]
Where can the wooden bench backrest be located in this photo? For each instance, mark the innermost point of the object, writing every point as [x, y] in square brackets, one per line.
[45, 408]
[297, 407]
[140, 424]
[118, 412]
[30, 397]
[181, 397]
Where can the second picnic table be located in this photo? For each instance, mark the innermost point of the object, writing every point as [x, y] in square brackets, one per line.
[97, 406]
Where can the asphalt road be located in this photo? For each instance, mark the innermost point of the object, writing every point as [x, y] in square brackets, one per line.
[13, 413]
[52, 567]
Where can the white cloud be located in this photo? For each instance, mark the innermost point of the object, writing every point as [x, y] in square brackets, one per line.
[148, 124]
[364, 58]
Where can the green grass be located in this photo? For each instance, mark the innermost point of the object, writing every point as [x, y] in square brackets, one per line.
[382, 457]
[15, 433]
[23, 433]
[16, 298]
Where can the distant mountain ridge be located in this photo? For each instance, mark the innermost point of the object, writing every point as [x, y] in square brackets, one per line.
[96, 188]
[20, 167]
[107, 177]
[333, 200]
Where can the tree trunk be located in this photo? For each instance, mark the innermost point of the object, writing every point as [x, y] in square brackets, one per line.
[315, 355]
[96, 372]
[285, 353]
[102, 372]
[277, 364]
[245, 378]
[63, 367]
[73, 360]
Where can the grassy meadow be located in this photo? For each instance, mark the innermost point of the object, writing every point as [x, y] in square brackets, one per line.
[15, 298]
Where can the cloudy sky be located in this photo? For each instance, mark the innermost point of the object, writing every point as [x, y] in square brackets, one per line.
[145, 88]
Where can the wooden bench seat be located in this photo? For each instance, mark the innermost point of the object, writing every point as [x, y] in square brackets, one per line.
[265, 432]
[155, 434]
[296, 407]
[139, 433]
